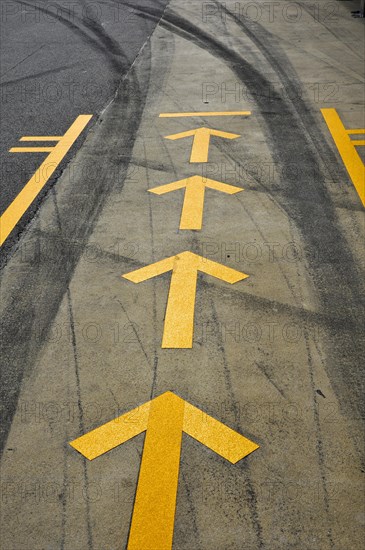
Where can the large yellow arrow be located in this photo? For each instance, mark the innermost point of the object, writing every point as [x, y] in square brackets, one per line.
[200, 148]
[192, 212]
[164, 419]
[179, 317]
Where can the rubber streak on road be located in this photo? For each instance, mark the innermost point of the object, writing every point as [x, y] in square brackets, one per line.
[221, 318]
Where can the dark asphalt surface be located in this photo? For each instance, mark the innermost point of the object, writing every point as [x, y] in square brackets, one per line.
[59, 60]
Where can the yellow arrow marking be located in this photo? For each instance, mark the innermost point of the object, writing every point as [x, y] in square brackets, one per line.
[155, 504]
[32, 188]
[165, 418]
[346, 148]
[113, 433]
[200, 148]
[192, 212]
[179, 317]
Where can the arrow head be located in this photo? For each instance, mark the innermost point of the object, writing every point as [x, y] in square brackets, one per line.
[199, 151]
[174, 186]
[227, 135]
[196, 182]
[222, 187]
[201, 131]
[113, 433]
[216, 436]
[204, 428]
[182, 134]
[186, 262]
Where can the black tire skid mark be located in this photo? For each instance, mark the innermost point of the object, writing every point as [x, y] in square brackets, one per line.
[117, 67]
[249, 485]
[102, 42]
[309, 205]
[92, 24]
[346, 338]
[39, 290]
[39, 74]
[267, 44]
[306, 212]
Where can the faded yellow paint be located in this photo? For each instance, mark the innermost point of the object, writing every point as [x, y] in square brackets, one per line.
[205, 113]
[179, 317]
[31, 149]
[40, 138]
[346, 148]
[165, 418]
[192, 212]
[32, 188]
[201, 141]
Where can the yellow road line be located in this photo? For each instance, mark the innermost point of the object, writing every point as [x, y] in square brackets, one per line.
[346, 147]
[41, 138]
[32, 188]
[205, 113]
[356, 131]
[31, 149]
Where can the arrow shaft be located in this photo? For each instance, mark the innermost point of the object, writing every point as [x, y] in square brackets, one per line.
[153, 518]
[200, 148]
[192, 212]
[179, 318]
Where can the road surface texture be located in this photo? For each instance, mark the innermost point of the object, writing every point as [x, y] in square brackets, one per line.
[276, 356]
[60, 59]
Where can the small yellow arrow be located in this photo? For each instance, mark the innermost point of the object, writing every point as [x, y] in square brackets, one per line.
[200, 148]
[192, 212]
[179, 317]
[164, 419]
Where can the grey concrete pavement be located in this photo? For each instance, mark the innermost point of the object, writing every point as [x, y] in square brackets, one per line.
[277, 356]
